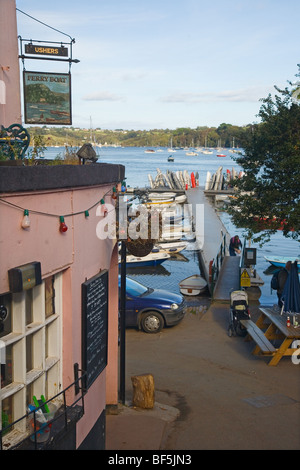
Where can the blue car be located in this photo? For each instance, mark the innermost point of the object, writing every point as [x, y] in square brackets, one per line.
[151, 309]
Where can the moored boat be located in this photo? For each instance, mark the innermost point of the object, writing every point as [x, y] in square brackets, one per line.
[193, 285]
[180, 199]
[165, 195]
[172, 247]
[281, 261]
[152, 259]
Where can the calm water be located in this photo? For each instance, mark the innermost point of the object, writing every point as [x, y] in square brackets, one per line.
[139, 164]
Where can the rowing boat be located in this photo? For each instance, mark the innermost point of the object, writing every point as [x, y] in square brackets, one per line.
[193, 285]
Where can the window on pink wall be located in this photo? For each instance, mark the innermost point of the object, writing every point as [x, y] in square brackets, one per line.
[30, 337]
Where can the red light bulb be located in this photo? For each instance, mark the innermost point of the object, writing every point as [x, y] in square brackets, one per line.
[114, 194]
[62, 227]
[103, 208]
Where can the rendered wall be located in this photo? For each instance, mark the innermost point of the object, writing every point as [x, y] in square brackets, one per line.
[79, 253]
[10, 102]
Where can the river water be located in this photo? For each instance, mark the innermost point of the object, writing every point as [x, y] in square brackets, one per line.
[139, 164]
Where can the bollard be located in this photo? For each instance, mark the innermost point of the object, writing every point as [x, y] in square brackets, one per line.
[143, 391]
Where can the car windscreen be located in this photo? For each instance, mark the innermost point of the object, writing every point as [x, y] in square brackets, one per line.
[135, 288]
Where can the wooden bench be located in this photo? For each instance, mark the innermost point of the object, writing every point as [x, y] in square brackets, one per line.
[258, 336]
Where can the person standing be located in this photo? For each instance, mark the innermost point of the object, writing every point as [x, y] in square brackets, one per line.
[235, 246]
[281, 280]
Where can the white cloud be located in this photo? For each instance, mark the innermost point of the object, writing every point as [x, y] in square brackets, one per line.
[102, 96]
[250, 95]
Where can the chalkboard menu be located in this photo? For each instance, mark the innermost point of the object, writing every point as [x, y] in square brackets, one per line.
[94, 325]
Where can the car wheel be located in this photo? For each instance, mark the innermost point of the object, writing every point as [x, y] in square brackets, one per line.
[152, 322]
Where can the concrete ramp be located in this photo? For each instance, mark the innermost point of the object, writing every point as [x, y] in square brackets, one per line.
[228, 279]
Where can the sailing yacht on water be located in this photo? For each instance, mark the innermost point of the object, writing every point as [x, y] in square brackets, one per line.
[92, 136]
[171, 146]
[206, 151]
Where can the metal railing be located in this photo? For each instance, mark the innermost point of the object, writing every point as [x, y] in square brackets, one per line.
[217, 263]
[63, 413]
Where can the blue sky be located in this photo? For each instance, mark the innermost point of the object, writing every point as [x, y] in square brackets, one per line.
[169, 63]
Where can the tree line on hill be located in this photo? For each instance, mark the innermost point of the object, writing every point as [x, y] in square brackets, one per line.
[225, 135]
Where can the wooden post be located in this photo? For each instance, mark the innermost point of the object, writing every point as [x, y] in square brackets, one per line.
[143, 391]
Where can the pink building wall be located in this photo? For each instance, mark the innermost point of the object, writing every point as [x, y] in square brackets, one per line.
[80, 254]
[10, 101]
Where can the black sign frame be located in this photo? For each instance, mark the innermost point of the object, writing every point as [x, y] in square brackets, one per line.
[94, 326]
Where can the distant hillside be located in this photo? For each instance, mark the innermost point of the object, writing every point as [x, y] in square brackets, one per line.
[226, 135]
[38, 92]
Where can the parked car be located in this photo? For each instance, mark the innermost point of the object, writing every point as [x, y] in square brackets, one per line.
[151, 309]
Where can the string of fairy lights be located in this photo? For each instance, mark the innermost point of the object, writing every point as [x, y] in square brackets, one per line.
[25, 224]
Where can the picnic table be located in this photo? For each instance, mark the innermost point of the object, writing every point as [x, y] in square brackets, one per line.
[272, 336]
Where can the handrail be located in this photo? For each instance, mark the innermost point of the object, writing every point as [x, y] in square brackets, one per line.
[217, 262]
[63, 411]
[243, 254]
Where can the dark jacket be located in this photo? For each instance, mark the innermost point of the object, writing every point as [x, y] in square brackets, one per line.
[234, 244]
[282, 277]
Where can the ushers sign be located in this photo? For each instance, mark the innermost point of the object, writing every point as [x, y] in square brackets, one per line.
[46, 50]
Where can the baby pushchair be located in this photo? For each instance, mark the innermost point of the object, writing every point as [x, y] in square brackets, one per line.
[239, 310]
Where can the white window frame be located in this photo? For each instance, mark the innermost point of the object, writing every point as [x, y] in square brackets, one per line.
[45, 378]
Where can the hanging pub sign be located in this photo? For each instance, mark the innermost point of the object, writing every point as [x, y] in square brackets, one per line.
[47, 98]
[46, 50]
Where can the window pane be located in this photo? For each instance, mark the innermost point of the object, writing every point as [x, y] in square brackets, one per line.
[5, 315]
[6, 369]
[6, 413]
[28, 306]
[49, 296]
[29, 358]
[29, 395]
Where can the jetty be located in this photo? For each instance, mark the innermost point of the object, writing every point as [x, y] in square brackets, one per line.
[213, 242]
[221, 271]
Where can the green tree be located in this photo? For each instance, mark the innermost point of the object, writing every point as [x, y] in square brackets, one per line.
[38, 147]
[268, 196]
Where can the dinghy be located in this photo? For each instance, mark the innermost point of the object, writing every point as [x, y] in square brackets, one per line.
[152, 259]
[280, 261]
[171, 247]
[193, 285]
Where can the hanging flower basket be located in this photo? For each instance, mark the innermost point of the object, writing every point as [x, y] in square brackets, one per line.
[139, 247]
[144, 240]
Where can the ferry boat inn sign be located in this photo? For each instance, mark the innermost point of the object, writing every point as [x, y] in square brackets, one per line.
[47, 95]
[47, 98]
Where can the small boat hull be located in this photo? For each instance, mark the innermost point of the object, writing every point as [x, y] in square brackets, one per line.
[171, 248]
[153, 259]
[280, 262]
[193, 285]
